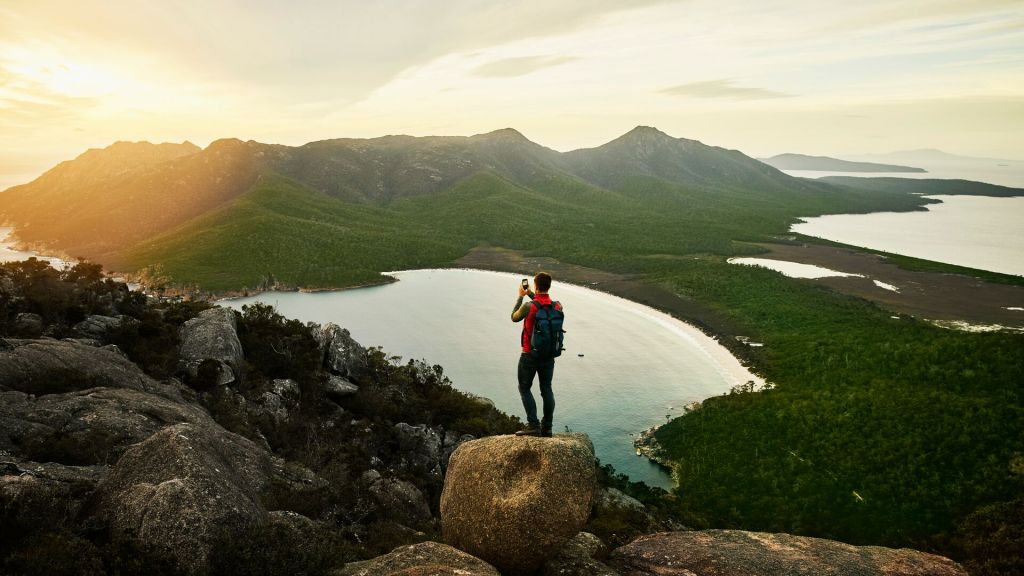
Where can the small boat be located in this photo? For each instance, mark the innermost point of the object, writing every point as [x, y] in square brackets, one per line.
[638, 452]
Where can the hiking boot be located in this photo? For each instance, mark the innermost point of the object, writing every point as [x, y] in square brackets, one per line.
[529, 430]
[545, 432]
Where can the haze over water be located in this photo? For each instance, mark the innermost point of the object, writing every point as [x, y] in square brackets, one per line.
[639, 365]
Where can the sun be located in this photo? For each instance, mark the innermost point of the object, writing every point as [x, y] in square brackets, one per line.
[45, 73]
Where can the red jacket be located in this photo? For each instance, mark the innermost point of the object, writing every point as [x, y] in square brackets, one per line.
[542, 299]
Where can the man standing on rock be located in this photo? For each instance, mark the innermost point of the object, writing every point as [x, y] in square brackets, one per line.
[541, 343]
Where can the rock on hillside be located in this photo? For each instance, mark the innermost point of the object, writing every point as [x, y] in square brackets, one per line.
[212, 335]
[89, 426]
[738, 553]
[579, 558]
[424, 559]
[515, 501]
[184, 487]
[56, 366]
[342, 354]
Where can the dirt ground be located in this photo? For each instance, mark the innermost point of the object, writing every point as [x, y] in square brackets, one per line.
[928, 295]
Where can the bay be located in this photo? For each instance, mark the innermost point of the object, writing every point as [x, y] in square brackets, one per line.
[627, 366]
[974, 231]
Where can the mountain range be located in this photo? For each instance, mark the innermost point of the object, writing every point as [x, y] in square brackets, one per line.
[214, 216]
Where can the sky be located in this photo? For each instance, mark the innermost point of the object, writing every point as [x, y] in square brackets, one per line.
[762, 76]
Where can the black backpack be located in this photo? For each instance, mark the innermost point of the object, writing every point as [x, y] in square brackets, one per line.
[546, 342]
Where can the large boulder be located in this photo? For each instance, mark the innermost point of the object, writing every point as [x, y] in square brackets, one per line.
[92, 426]
[452, 441]
[185, 488]
[515, 501]
[734, 552]
[423, 559]
[56, 366]
[212, 335]
[343, 355]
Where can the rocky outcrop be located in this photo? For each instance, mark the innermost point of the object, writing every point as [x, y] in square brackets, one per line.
[424, 559]
[91, 426]
[734, 552]
[337, 387]
[515, 501]
[399, 500]
[212, 335]
[48, 493]
[185, 487]
[613, 500]
[579, 558]
[342, 354]
[28, 325]
[420, 448]
[278, 402]
[52, 367]
[98, 327]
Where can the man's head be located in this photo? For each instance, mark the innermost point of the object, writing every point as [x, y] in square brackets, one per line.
[542, 282]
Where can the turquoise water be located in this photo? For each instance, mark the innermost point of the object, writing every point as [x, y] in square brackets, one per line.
[637, 366]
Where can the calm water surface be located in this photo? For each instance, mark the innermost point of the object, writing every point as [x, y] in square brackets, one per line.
[791, 269]
[637, 366]
[1011, 174]
[974, 231]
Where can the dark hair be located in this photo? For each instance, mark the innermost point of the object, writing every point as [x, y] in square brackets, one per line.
[543, 281]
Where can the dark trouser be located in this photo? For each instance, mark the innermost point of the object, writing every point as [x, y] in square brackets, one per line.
[528, 366]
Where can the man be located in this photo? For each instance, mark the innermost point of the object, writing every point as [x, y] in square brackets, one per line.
[531, 363]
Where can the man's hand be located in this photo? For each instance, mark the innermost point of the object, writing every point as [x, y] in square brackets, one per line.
[523, 291]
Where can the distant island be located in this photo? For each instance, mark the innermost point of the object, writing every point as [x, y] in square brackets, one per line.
[826, 164]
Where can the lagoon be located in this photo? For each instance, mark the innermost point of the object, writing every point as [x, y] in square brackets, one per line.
[626, 367]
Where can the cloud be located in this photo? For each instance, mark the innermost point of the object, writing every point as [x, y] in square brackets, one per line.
[722, 89]
[521, 66]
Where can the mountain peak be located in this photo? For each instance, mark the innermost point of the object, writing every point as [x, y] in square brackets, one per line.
[225, 143]
[646, 132]
[509, 134]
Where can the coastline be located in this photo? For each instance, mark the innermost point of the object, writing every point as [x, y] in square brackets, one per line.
[216, 296]
[932, 296]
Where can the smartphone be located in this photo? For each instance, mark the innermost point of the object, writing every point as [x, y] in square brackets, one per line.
[526, 284]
